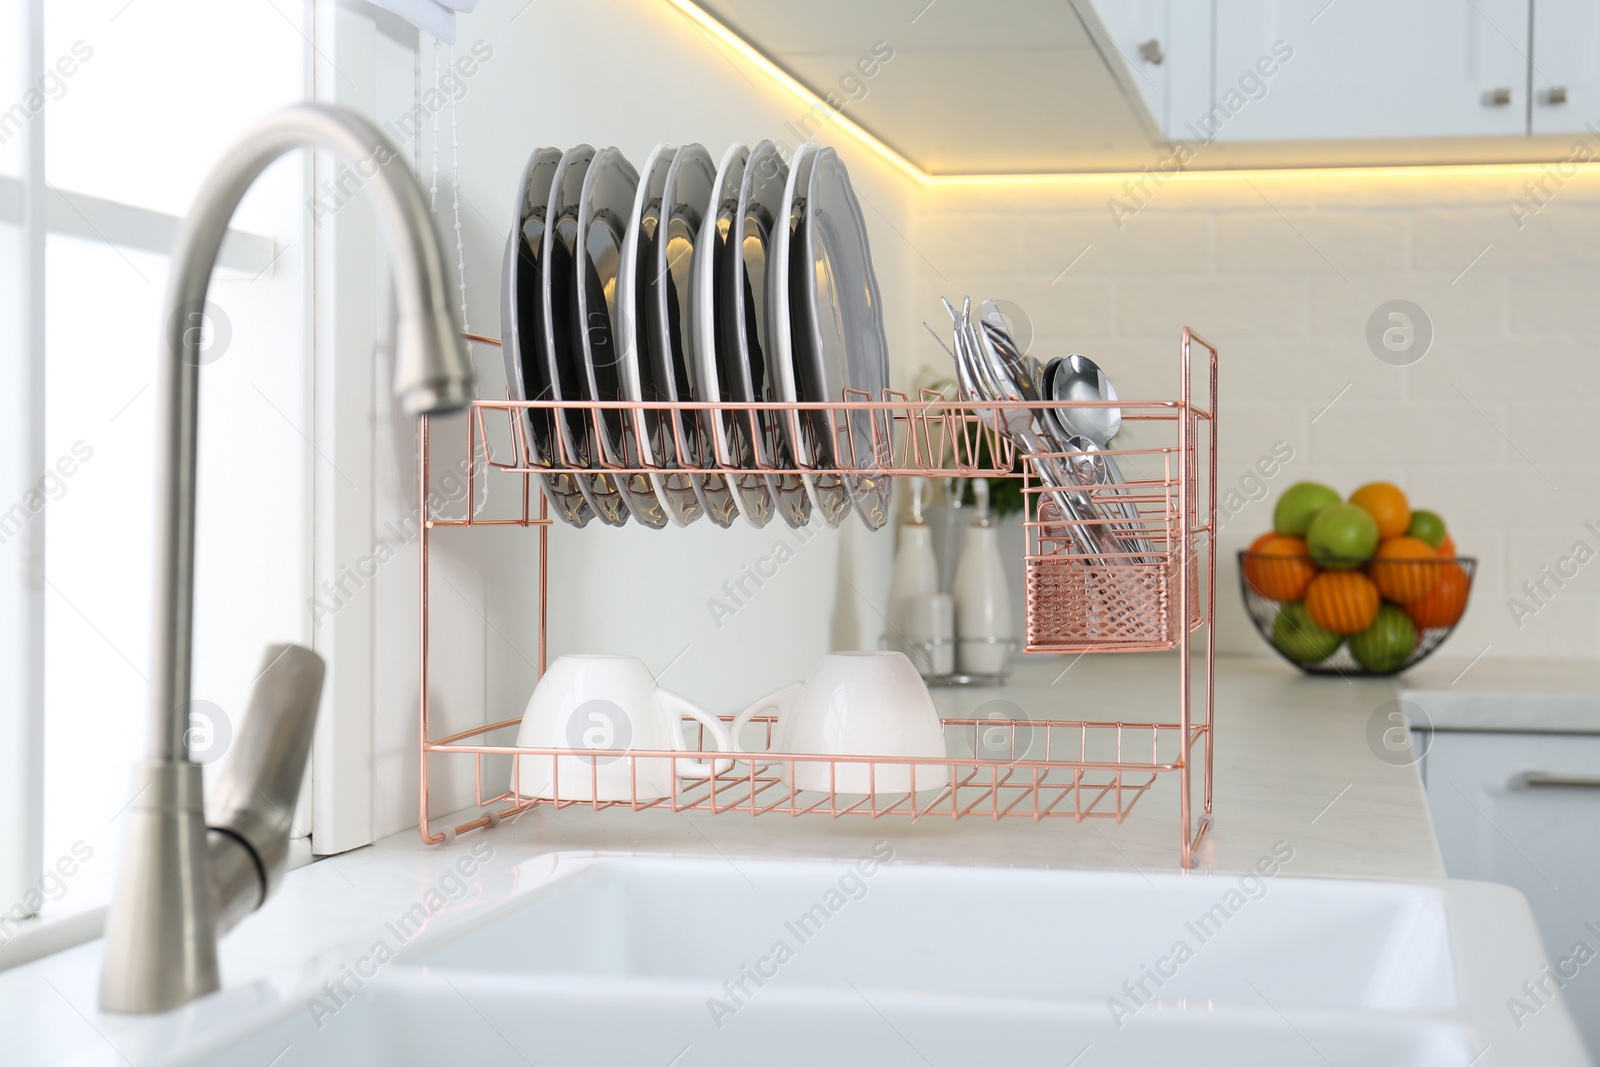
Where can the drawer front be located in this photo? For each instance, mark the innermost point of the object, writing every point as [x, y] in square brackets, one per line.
[1524, 810]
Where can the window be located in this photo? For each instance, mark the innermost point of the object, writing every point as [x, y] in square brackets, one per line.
[140, 100]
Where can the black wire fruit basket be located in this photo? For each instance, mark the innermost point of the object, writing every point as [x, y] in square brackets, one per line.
[1375, 617]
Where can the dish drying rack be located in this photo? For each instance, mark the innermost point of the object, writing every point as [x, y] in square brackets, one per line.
[1076, 604]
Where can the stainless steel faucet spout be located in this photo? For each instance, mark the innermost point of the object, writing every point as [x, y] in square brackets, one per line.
[170, 898]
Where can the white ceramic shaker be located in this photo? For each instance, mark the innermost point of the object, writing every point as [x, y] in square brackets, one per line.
[982, 603]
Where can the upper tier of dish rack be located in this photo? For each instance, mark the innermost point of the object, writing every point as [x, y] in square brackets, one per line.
[1077, 602]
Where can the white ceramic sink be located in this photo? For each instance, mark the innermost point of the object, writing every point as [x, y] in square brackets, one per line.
[661, 961]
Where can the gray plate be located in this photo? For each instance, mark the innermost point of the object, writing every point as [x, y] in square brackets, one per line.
[791, 353]
[847, 345]
[657, 446]
[521, 323]
[718, 355]
[684, 199]
[747, 319]
[559, 256]
[604, 208]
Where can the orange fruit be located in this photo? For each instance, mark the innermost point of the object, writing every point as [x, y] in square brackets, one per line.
[1279, 567]
[1387, 505]
[1445, 603]
[1344, 602]
[1405, 569]
[1447, 548]
[1255, 546]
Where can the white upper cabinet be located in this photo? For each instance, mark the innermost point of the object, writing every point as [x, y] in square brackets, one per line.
[1349, 69]
[1566, 65]
[1165, 48]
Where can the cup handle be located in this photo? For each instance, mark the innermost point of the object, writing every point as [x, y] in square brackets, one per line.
[683, 708]
[778, 700]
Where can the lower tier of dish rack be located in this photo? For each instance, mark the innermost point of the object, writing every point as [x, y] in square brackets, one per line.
[1021, 768]
[1116, 575]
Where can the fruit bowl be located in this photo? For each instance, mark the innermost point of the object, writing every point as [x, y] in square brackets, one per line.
[1355, 617]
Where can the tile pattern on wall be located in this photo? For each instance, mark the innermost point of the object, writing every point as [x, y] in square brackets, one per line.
[1497, 427]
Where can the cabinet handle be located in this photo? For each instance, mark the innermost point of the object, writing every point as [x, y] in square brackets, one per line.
[1555, 96]
[1497, 98]
[1150, 52]
[1545, 780]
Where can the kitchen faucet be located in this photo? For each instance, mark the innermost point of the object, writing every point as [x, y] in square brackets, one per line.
[190, 871]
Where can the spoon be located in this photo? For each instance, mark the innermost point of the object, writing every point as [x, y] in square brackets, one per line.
[1080, 378]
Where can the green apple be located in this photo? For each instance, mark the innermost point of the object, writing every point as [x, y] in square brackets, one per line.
[1298, 505]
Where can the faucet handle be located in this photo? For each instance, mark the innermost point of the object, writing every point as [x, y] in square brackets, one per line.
[251, 808]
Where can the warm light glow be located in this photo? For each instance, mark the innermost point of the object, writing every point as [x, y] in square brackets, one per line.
[782, 78]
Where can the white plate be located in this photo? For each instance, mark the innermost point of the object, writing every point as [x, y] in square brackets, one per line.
[743, 296]
[604, 206]
[636, 369]
[521, 317]
[559, 256]
[718, 356]
[690, 184]
[787, 283]
[844, 319]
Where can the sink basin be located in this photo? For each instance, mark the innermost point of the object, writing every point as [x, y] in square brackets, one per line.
[657, 960]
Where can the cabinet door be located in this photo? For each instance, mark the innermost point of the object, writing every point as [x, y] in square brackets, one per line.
[1566, 65]
[1165, 47]
[1524, 810]
[1370, 69]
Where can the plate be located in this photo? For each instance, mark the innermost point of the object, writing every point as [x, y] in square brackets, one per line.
[787, 285]
[743, 299]
[605, 205]
[670, 316]
[559, 255]
[521, 319]
[848, 350]
[653, 427]
[718, 356]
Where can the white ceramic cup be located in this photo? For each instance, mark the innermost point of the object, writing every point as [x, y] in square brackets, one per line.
[857, 704]
[600, 703]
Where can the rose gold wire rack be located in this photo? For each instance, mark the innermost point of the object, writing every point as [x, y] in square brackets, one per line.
[1112, 565]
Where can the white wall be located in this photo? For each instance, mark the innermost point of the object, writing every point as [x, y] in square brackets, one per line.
[1495, 428]
[628, 73]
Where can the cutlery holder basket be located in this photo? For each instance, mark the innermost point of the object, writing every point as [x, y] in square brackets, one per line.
[1111, 563]
[1105, 602]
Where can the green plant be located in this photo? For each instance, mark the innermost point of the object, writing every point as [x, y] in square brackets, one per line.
[1005, 494]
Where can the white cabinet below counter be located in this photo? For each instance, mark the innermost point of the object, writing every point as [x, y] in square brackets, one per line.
[1523, 809]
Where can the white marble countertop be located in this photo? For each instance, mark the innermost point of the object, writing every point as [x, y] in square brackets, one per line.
[1508, 696]
[1294, 764]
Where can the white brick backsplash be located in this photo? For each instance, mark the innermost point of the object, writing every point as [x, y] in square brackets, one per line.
[1473, 304]
[1217, 307]
[1529, 552]
[1557, 433]
[1152, 242]
[1560, 237]
[1319, 242]
[1249, 431]
[1508, 496]
[1511, 368]
[973, 244]
[1282, 272]
[1314, 370]
[1050, 244]
[1564, 628]
[1554, 301]
[1073, 307]
[1424, 433]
